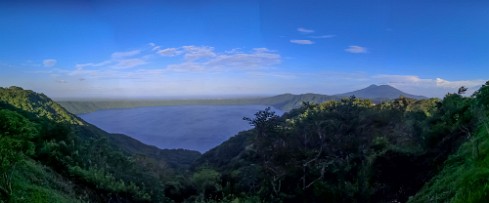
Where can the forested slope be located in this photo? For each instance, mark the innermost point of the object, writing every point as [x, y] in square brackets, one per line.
[356, 151]
[349, 150]
[465, 175]
[50, 155]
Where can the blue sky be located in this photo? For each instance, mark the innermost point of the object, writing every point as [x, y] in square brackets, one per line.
[210, 48]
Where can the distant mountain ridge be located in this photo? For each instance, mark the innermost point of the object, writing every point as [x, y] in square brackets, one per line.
[379, 92]
[285, 102]
[376, 93]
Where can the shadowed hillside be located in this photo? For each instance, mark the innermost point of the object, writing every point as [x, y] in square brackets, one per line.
[50, 155]
[348, 150]
[354, 151]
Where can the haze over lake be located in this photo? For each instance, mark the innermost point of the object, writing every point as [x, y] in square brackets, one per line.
[195, 127]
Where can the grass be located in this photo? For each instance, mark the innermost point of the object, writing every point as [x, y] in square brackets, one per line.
[465, 176]
[33, 182]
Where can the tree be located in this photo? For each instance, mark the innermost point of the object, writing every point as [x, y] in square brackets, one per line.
[482, 96]
[207, 181]
[264, 121]
[15, 134]
[268, 145]
[482, 105]
[10, 155]
[462, 90]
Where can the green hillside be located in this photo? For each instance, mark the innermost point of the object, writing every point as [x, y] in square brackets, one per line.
[348, 150]
[39, 104]
[465, 175]
[50, 155]
[356, 151]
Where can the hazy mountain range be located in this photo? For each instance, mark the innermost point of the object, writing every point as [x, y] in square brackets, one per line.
[285, 102]
[401, 150]
[379, 92]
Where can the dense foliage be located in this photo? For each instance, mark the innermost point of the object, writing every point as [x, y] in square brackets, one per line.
[353, 151]
[465, 176]
[50, 155]
[349, 150]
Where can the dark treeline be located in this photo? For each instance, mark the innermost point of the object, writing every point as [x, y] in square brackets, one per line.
[350, 150]
[50, 155]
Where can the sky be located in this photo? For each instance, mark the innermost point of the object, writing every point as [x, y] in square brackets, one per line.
[180, 49]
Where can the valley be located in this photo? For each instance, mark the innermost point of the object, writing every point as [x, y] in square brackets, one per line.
[343, 150]
[193, 127]
[268, 101]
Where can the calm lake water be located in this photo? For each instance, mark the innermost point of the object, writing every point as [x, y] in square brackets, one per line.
[195, 127]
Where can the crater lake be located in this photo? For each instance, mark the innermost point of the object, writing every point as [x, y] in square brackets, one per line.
[194, 127]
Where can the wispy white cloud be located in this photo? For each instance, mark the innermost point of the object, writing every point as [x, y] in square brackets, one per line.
[233, 51]
[189, 52]
[322, 36]
[354, 49]
[186, 67]
[304, 30]
[83, 74]
[118, 60]
[49, 62]
[126, 54]
[401, 79]
[81, 71]
[202, 58]
[198, 52]
[194, 59]
[310, 31]
[427, 86]
[301, 41]
[438, 82]
[129, 63]
[257, 59]
[103, 63]
[168, 51]
[456, 84]
[281, 75]
[154, 47]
